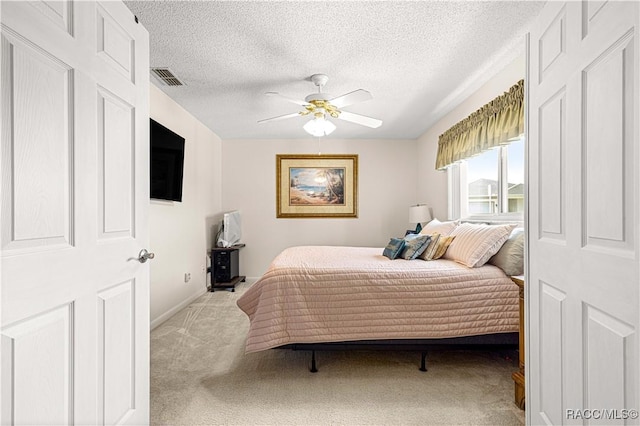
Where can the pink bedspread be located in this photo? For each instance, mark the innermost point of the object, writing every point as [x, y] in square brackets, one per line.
[333, 294]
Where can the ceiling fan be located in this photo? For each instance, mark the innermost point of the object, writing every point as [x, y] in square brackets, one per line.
[321, 106]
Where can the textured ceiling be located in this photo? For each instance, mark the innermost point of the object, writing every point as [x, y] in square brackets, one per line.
[419, 59]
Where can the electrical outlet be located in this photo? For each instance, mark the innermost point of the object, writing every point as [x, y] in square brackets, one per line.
[187, 277]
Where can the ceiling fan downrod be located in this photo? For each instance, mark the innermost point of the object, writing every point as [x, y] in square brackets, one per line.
[319, 80]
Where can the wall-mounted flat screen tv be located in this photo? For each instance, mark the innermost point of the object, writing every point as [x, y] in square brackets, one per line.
[167, 161]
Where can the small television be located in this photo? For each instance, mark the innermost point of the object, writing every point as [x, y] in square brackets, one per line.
[230, 230]
[167, 162]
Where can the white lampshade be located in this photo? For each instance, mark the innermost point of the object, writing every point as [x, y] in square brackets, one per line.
[319, 126]
[419, 214]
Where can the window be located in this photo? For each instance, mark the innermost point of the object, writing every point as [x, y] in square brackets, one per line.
[515, 176]
[482, 183]
[491, 183]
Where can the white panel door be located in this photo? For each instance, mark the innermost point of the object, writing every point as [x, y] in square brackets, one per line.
[584, 217]
[75, 193]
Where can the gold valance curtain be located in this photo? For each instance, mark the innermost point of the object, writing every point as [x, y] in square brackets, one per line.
[492, 125]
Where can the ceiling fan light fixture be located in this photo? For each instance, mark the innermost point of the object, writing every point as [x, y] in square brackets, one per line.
[319, 126]
[322, 106]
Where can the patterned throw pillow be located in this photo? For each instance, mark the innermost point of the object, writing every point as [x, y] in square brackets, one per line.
[428, 253]
[394, 248]
[414, 245]
[443, 245]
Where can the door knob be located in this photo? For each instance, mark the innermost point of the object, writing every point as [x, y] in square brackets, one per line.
[144, 255]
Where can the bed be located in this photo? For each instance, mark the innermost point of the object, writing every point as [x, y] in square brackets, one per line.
[316, 295]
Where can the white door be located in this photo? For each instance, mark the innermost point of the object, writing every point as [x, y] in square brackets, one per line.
[75, 315]
[583, 217]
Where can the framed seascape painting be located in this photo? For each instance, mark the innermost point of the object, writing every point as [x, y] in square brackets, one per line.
[317, 185]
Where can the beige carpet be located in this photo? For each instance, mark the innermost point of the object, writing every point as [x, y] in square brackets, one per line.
[201, 376]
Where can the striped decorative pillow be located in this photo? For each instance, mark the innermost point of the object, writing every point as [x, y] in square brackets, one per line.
[475, 244]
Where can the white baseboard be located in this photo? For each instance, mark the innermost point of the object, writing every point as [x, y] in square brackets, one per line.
[171, 312]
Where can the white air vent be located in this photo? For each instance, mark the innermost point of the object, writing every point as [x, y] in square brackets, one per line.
[166, 76]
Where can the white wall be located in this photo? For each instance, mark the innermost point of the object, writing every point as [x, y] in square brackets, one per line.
[432, 184]
[180, 233]
[387, 187]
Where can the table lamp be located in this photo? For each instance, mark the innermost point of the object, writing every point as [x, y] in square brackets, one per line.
[419, 214]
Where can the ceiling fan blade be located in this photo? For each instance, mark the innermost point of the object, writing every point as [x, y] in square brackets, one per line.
[286, 98]
[280, 117]
[351, 98]
[374, 123]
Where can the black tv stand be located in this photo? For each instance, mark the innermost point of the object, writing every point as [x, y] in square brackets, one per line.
[225, 267]
[228, 285]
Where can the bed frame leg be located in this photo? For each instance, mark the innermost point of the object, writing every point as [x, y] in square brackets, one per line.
[313, 368]
[423, 361]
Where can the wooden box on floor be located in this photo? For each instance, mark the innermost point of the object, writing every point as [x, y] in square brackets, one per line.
[518, 376]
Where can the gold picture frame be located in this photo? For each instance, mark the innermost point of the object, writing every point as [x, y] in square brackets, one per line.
[317, 186]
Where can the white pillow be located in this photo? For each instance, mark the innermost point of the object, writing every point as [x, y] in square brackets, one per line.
[442, 228]
[475, 244]
[510, 257]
